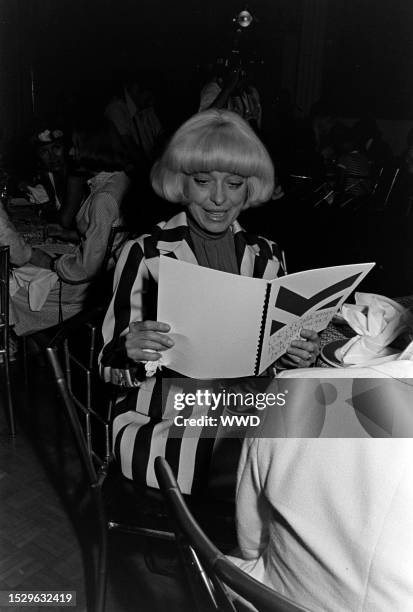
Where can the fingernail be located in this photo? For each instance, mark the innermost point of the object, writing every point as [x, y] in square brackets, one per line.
[170, 342]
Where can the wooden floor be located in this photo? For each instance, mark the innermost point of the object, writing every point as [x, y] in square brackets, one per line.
[39, 543]
[38, 546]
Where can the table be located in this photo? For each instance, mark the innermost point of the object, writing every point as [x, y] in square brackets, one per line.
[28, 221]
[32, 227]
[54, 247]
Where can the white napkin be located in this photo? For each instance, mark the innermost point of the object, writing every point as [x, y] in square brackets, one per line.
[37, 194]
[377, 321]
[407, 354]
[37, 281]
[152, 366]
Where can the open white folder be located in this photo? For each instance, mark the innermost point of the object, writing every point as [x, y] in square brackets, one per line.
[228, 326]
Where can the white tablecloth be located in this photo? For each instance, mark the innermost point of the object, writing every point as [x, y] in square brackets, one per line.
[38, 282]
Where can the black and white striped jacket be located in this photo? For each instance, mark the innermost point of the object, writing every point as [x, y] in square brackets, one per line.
[142, 427]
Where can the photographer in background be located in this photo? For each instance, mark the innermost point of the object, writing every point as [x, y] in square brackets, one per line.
[229, 88]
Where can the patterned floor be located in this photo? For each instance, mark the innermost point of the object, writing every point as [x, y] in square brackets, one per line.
[39, 548]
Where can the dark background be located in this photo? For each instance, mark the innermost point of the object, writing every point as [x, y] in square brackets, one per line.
[368, 58]
[75, 48]
[71, 50]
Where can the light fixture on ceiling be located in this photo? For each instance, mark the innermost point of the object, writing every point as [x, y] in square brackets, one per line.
[244, 19]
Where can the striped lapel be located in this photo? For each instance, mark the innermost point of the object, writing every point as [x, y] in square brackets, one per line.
[254, 255]
[172, 239]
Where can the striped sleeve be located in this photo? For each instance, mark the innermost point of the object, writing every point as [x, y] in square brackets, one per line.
[126, 306]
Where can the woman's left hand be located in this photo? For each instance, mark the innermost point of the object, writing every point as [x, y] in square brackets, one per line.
[302, 353]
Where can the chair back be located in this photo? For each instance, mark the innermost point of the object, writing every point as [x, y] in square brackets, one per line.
[4, 289]
[66, 396]
[117, 238]
[72, 354]
[100, 290]
[4, 332]
[209, 572]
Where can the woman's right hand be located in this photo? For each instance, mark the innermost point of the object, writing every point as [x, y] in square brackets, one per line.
[147, 339]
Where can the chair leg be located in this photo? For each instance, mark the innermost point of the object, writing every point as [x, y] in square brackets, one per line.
[9, 399]
[102, 560]
[100, 596]
[25, 363]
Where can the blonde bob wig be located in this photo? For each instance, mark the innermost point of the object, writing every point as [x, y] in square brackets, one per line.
[214, 140]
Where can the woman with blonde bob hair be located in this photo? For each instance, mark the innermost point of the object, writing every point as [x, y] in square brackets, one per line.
[214, 166]
[214, 139]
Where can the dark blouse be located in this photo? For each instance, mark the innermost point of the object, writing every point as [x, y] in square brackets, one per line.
[216, 251]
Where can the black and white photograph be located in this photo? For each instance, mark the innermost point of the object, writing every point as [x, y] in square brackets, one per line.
[206, 305]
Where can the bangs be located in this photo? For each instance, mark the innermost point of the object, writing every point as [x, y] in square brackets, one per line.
[219, 149]
[214, 140]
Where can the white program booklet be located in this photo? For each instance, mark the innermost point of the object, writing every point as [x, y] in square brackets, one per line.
[229, 326]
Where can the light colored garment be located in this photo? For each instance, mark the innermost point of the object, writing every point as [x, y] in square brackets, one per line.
[20, 251]
[329, 522]
[209, 93]
[37, 194]
[94, 220]
[38, 283]
[245, 103]
[99, 212]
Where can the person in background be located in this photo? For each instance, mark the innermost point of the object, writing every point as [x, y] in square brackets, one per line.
[354, 181]
[230, 88]
[98, 154]
[328, 522]
[133, 111]
[133, 114]
[372, 144]
[55, 182]
[214, 166]
[51, 153]
[20, 250]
